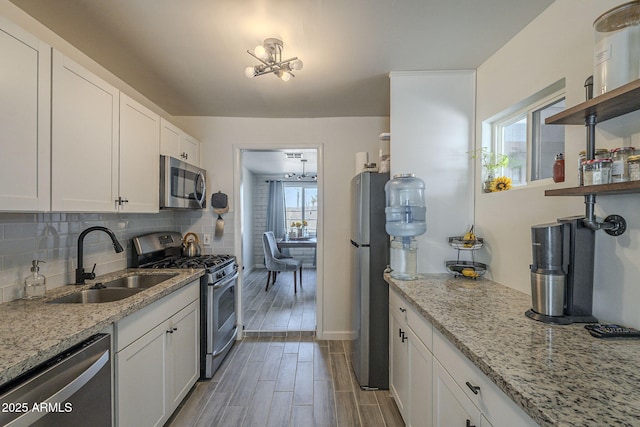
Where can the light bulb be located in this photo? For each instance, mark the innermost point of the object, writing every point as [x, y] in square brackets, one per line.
[250, 72]
[285, 76]
[261, 52]
[296, 65]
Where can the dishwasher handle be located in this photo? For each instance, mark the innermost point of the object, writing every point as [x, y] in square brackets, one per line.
[64, 393]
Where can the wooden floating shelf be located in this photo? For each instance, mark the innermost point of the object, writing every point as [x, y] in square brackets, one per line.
[622, 100]
[603, 189]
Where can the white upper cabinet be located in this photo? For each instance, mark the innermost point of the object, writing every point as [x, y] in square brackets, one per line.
[139, 175]
[24, 120]
[176, 143]
[84, 145]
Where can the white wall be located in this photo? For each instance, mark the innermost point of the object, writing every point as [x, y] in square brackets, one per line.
[558, 44]
[338, 139]
[247, 224]
[431, 135]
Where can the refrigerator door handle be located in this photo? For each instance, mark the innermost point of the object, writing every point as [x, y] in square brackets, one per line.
[358, 245]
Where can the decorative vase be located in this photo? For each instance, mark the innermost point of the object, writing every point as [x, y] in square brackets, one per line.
[486, 182]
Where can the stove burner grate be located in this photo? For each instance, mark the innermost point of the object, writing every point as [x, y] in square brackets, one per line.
[210, 262]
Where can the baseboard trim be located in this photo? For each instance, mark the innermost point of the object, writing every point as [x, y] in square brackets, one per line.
[263, 334]
[339, 335]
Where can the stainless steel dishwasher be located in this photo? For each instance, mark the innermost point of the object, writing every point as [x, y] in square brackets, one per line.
[71, 389]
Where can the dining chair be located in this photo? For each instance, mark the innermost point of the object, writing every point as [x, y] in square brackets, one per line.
[276, 262]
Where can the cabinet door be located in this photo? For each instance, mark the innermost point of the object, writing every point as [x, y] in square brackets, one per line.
[25, 120]
[84, 146]
[183, 345]
[484, 422]
[421, 379]
[190, 150]
[141, 381]
[139, 177]
[451, 407]
[177, 144]
[399, 364]
[169, 139]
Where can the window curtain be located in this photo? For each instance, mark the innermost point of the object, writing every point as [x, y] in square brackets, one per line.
[276, 220]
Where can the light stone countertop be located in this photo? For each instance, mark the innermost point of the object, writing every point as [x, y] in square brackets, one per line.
[33, 331]
[559, 375]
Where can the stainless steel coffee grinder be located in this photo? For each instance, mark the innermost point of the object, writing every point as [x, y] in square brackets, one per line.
[562, 272]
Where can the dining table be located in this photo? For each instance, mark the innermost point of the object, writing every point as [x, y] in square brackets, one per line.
[297, 242]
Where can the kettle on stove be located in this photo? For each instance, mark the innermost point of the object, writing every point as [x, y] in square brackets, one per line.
[191, 248]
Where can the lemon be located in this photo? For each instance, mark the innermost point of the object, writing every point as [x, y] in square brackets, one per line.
[470, 272]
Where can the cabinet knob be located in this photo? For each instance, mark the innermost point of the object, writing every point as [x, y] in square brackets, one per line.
[474, 388]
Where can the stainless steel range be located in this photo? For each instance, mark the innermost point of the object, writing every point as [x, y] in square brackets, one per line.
[217, 291]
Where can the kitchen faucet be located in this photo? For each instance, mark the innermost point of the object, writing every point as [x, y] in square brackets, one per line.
[80, 273]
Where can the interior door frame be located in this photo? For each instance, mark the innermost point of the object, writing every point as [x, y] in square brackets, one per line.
[238, 150]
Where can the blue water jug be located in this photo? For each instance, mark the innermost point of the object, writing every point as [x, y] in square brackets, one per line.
[405, 208]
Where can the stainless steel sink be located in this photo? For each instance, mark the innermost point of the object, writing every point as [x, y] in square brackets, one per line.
[96, 296]
[139, 281]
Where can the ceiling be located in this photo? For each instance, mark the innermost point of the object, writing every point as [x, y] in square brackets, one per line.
[189, 56]
[267, 162]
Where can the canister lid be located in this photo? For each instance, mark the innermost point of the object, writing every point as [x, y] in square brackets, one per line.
[619, 17]
[597, 161]
[597, 150]
[615, 150]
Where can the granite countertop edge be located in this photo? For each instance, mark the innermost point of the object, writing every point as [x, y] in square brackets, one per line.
[545, 361]
[27, 337]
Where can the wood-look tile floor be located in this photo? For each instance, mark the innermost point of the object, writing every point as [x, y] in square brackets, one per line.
[279, 309]
[282, 381]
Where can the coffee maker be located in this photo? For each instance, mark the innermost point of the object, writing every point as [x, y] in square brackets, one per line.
[562, 272]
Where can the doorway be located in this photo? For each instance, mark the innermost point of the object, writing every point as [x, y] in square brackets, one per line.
[280, 310]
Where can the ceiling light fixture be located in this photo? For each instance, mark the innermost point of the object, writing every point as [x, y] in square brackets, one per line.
[270, 56]
[303, 175]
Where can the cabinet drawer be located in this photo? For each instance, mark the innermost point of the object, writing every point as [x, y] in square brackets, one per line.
[421, 327]
[137, 324]
[496, 406]
[406, 312]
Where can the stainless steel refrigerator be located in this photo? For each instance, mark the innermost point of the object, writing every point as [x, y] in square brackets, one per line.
[370, 292]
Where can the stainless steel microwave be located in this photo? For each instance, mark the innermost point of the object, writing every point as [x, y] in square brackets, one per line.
[182, 186]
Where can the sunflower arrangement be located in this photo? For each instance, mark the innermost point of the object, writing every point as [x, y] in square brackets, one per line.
[500, 183]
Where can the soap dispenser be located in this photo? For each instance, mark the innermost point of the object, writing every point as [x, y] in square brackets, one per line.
[35, 283]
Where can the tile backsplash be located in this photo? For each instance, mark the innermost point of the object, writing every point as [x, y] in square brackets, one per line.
[53, 237]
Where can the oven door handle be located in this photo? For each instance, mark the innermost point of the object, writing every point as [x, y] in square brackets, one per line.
[228, 343]
[225, 281]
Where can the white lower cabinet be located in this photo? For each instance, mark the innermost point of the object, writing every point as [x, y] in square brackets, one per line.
[451, 407]
[157, 358]
[434, 384]
[399, 364]
[142, 381]
[411, 361]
